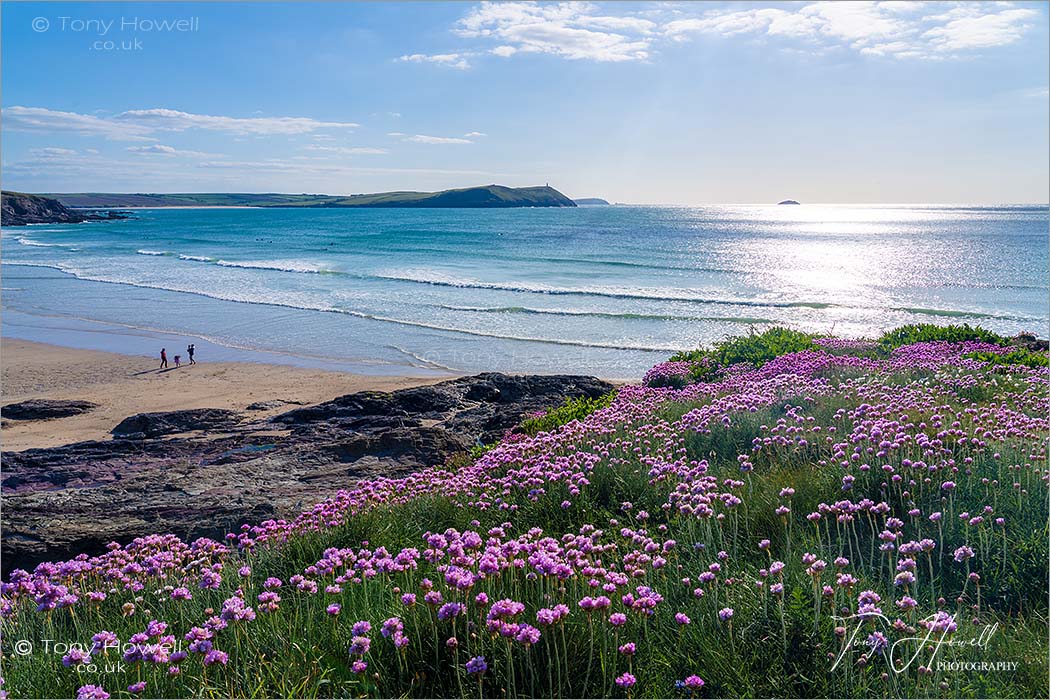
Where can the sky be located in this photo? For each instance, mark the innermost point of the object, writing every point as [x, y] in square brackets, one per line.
[657, 102]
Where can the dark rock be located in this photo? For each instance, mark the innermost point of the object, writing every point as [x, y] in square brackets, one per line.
[268, 405]
[62, 501]
[167, 422]
[19, 209]
[42, 409]
[1029, 341]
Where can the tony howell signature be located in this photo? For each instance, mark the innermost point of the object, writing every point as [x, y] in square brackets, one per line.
[931, 634]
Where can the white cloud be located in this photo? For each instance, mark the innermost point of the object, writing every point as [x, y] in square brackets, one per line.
[1036, 93]
[174, 120]
[47, 152]
[348, 150]
[854, 21]
[569, 29]
[892, 29]
[587, 31]
[162, 150]
[472, 134]
[394, 133]
[629, 24]
[18, 118]
[420, 138]
[142, 124]
[981, 31]
[450, 60]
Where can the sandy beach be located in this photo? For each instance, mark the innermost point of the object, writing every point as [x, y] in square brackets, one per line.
[123, 385]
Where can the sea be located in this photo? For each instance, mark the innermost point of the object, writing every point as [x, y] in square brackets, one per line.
[602, 290]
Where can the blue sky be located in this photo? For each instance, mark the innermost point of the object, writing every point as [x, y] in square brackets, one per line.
[657, 102]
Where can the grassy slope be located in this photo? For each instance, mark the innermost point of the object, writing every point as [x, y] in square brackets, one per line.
[487, 196]
[775, 646]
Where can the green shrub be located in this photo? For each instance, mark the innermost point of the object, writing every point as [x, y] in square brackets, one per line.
[927, 332]
[1020, 356]
[754, 348]
[572, 409]
[698, 355]
[477, 451]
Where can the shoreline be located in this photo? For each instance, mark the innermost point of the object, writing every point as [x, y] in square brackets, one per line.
[88, 334]
[126, 384]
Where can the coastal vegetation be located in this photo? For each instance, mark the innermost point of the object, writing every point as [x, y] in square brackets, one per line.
[781, 515]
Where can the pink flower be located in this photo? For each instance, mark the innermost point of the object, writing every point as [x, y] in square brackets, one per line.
[693, 682]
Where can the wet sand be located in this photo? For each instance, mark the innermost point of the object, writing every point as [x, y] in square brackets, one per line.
[123, 385]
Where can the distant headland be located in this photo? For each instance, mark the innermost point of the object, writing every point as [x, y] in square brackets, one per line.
[20, 209]
[788, 201]
[591, 202]
[484, 197]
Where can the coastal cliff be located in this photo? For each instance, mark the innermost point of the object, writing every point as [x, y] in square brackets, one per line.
[20, 209]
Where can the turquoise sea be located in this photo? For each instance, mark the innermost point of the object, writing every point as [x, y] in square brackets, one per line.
[600, 290]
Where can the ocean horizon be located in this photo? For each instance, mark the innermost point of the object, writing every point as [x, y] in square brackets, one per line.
[606, 290]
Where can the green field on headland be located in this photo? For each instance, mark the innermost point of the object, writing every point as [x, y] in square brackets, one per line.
[487, 196]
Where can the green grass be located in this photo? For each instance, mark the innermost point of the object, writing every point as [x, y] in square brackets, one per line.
[754, 349]
[573, 409]
[928, 332]
[1025, 358]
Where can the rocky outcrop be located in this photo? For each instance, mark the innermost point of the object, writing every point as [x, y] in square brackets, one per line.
[272, 404]
[62, 501]
[149, 425]
[19, 209]
[44, 409]
[1030, 342]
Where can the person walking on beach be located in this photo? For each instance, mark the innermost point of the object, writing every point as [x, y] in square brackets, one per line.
[163, 358]
[189, 351]
[178, 361]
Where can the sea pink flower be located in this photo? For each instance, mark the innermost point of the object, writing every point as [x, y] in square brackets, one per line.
[476, 665]
[693, 682]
